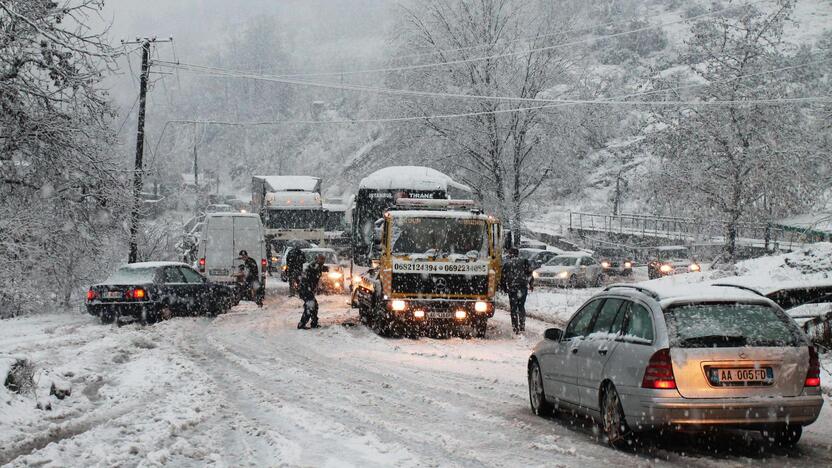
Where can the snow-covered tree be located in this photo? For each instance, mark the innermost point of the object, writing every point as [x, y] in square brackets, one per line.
[58, 183]
[741, 161]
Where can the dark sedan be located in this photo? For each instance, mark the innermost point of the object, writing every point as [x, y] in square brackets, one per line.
[154, 291]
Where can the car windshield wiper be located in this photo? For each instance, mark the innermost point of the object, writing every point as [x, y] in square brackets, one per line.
[715, 341]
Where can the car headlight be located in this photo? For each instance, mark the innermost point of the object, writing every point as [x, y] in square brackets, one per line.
[285, 267]
[563, 274]
[665, 268]
[398, 305]
[535, 274]
[605, 264]
[335, 275]
[694, 267]
[628, 264]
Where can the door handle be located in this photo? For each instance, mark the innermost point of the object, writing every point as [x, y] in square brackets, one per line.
[575, 350]
[602, 351]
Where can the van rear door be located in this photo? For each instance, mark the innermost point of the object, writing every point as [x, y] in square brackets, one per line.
[248, 236]
[219, 248]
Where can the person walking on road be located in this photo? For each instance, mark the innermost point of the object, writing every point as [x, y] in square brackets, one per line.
[251, 278]
[517, 281]
[309, 279]
[294, 267]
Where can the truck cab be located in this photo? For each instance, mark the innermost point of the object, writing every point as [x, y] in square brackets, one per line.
[434, 267]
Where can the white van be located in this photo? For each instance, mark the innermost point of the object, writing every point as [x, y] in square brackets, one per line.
[224, 235]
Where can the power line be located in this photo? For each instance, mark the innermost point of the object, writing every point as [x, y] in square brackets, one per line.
[219, 72]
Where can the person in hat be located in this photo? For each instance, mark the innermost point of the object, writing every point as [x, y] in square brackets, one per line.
[517, 281]
[309, 280]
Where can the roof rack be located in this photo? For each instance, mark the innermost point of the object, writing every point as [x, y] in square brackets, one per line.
[744, 288]
[641, 289]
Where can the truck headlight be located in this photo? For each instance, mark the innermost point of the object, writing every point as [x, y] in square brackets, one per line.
[481, 306]
[460, 314]
[418, 314]
[398, 305]
[335, 275]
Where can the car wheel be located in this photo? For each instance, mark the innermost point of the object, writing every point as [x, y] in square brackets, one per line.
[613, 420]
[787, 436]
[107, 317]
[165, 312]
[537, 397]
[148, 317]
[599, 280]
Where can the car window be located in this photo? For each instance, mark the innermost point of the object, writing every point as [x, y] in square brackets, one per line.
[639, 324]
[172, 275]
[580, 322]
[729, 325]
[191, 276]
[607, 316]
[589, 261]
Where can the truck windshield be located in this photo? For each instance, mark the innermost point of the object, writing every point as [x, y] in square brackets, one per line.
[294, 219]
[439, 237]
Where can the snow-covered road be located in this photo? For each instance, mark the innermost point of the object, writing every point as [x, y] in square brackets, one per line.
[248, 388]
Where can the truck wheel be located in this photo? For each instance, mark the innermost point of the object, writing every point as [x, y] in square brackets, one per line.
[480, 328]
[364, 315]
[785, 437]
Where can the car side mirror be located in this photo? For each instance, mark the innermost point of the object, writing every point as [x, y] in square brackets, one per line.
[553, 334]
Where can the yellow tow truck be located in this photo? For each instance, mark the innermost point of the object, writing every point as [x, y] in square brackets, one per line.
[436, 266]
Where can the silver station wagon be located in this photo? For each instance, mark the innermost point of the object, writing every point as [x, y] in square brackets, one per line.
[638, 358]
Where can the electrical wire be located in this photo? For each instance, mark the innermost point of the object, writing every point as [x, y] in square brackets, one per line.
[218, 72]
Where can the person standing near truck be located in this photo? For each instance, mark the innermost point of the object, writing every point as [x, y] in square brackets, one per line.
[295, 259]
[251, 280]
[309, 281]
[517, 282]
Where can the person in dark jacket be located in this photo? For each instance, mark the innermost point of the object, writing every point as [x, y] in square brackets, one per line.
[294, 267]
[517, 281]
[251, 278]
[309, 280]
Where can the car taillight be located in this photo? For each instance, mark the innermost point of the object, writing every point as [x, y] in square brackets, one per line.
[202, 265]
[264, 263]
[138, 294]
[91, 295]
[813, 375]
[659, 371]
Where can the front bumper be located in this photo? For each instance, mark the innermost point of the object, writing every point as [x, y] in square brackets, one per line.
[649, 411]
[440, 312]
[555, 281]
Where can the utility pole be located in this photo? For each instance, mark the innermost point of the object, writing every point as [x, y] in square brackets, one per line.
[196, 163]
[145, 43]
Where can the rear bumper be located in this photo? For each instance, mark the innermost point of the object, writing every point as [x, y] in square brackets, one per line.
[647, 411]
[121, 309]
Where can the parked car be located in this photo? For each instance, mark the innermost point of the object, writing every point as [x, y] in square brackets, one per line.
[671, 260]
[639, 358]
[153, 291]
[538, 257]
[333, 280]
[570, 270]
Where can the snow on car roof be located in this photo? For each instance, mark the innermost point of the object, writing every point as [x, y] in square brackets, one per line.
[292, 183]
[671, 247]
[667, 292]
[153, 265]
[573, 254]
[231, 214]
[318, 249]
[409, 177]
[437, 214]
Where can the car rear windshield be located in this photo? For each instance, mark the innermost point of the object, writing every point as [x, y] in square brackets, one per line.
[727, 325]
[132, 276]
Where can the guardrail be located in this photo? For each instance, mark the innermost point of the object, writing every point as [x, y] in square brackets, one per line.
[677, 228]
